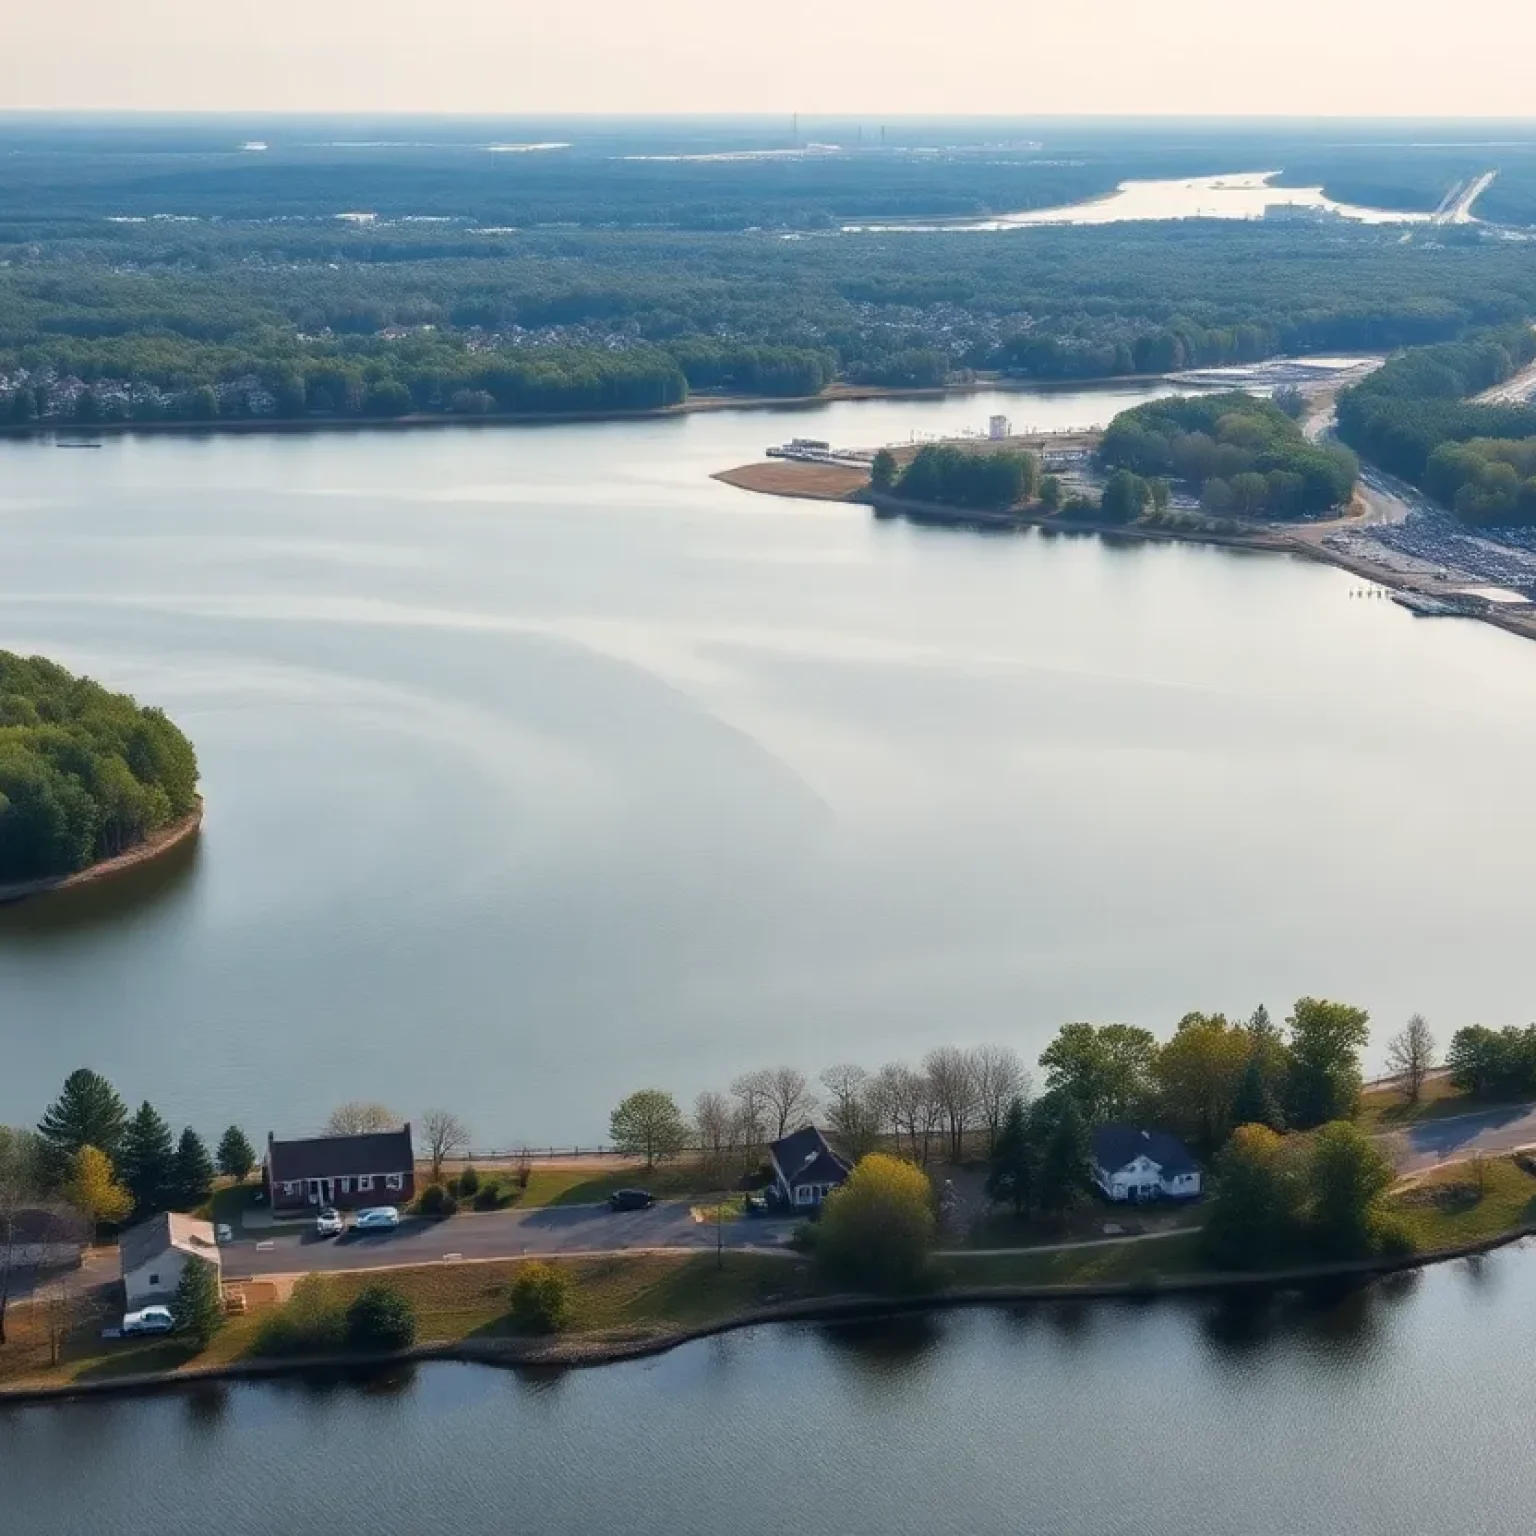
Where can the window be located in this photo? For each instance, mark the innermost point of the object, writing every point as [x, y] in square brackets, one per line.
[364, 1182]
[154, 1279]
[394, 1181]
[346, 1186]
[802, 1194]
[290, 1188]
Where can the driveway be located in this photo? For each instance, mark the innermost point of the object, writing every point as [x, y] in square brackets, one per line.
[1457, 1137]
[567, 1229]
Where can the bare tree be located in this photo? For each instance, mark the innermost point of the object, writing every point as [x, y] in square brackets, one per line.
[911, 1105]
[1000, 1078]
[716, 1124]
[750, 1091]
[790, 1100]
[854, 1110]
[360, 1116]
[1411, 1055]
[953, 1084]
[446, 1136]
[845, 1084]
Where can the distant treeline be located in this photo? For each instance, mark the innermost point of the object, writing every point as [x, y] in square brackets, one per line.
[84, 774]
[1413, 417]
[1239, 454]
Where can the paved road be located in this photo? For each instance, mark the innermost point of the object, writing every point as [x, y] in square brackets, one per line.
[1457, 1137]
[494, 1235]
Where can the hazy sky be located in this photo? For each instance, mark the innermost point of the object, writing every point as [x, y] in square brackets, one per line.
[1332, 57]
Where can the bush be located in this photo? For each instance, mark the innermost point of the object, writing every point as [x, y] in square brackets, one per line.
[541, 1298]
[469, 1182]
[434, 1200]
[877, 1229]
[310, 1322]
[490, 1197]
[381, 1318]
[803, 1238]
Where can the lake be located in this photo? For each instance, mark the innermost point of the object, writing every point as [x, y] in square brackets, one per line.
[1396, 1411]
[541, 767]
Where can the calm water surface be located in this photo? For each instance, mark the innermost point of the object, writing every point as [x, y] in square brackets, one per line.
[1394, 1412]
[540, 767]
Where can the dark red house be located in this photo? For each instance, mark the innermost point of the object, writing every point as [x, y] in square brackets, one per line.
[373, 1168]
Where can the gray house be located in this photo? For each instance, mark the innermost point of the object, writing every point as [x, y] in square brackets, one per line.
[1130, 1164]
[154, 1253]
[805, 1169]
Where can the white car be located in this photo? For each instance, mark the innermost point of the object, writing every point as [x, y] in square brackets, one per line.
[377, 1218]
[148, 1320]
[223, 1233]
[330, 1223]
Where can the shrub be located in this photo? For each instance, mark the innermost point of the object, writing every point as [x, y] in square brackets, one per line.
[803, 1238]
[381, 1318]
[434, 1200]
[469, 1182]
[541, 1298]
[877, 1229]
[489, 1197]
[310, 1322]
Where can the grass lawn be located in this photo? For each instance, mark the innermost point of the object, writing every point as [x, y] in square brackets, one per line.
[577, 1186]
[1449, 1206]
[1002, 1229]
[1077, 1266]
[1384, 1109]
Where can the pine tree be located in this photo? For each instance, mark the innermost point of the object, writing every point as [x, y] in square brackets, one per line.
[1063, 1178]
[197, 1306]
[193, 1174]
[1257, 1102]
[146, 1161]
[236, 1155]
[1011, 1177]
[88, 1113]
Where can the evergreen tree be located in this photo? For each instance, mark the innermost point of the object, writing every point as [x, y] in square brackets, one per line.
[88, 1113]
[146, 1161]
[193, 1171]
[1257, 1103]
[1011, 1177]
[236, 1155]
[1064, 1152]
[197, 1306]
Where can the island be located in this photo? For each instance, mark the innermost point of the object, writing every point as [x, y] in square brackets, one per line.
[91, 783]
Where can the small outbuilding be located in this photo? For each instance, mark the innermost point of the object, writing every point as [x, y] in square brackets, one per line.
[805, 1168]
[154, 1254]
[1130, 1164]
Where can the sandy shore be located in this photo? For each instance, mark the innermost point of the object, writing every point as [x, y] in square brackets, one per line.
[152, 848]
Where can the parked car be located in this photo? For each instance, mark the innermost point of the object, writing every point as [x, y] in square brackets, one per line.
[755, 1205]
[148, 1320]
[377, 1218]
[330, 1223]
[630, 1200]
[223, 1233]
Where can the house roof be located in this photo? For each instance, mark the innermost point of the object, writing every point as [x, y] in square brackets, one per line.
[803, 1157]
[341, 1157]
[170, 1229]
[1115, 1146]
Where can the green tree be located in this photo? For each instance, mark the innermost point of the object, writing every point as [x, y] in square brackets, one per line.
[92, 1189]
[1326, 1041]
[197, 1305]
[381, 1318]
[1064, 1139]
[193, 1173]
[1254, 1204]
[1256, 1101]
[87, 1113]
[1197, 1074]
[1050, 493]
[1348, 1175]
[1161, 494]
[146, 1162]
[1488, 1063]
[541, 1300]
[648, 1124]
[1125, 497]
[236, 1155]
[882, 471]
[876, 1229]
[1106, 1068]
[1011, 1174]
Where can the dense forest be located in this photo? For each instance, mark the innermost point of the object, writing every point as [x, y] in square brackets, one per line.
[1239, 454]
[1414, 418]
[84, 774]
[946, 476]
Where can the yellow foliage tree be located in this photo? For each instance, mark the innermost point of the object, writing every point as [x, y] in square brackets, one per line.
[92, 1187]
[877, 1230]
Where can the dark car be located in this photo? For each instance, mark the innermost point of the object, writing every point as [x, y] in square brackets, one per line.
[630, 1200]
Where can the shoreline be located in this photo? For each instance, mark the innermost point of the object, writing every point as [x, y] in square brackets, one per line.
[156, 846]
[599, 1350]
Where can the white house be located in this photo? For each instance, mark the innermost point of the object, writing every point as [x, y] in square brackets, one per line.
[154, 1253]
[806, 1170]
[1136, 1165]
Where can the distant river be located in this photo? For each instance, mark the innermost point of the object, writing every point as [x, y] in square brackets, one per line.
[541, 767]
[1399, 1411]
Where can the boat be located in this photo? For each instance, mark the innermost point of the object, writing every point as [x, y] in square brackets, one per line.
[76, 445]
